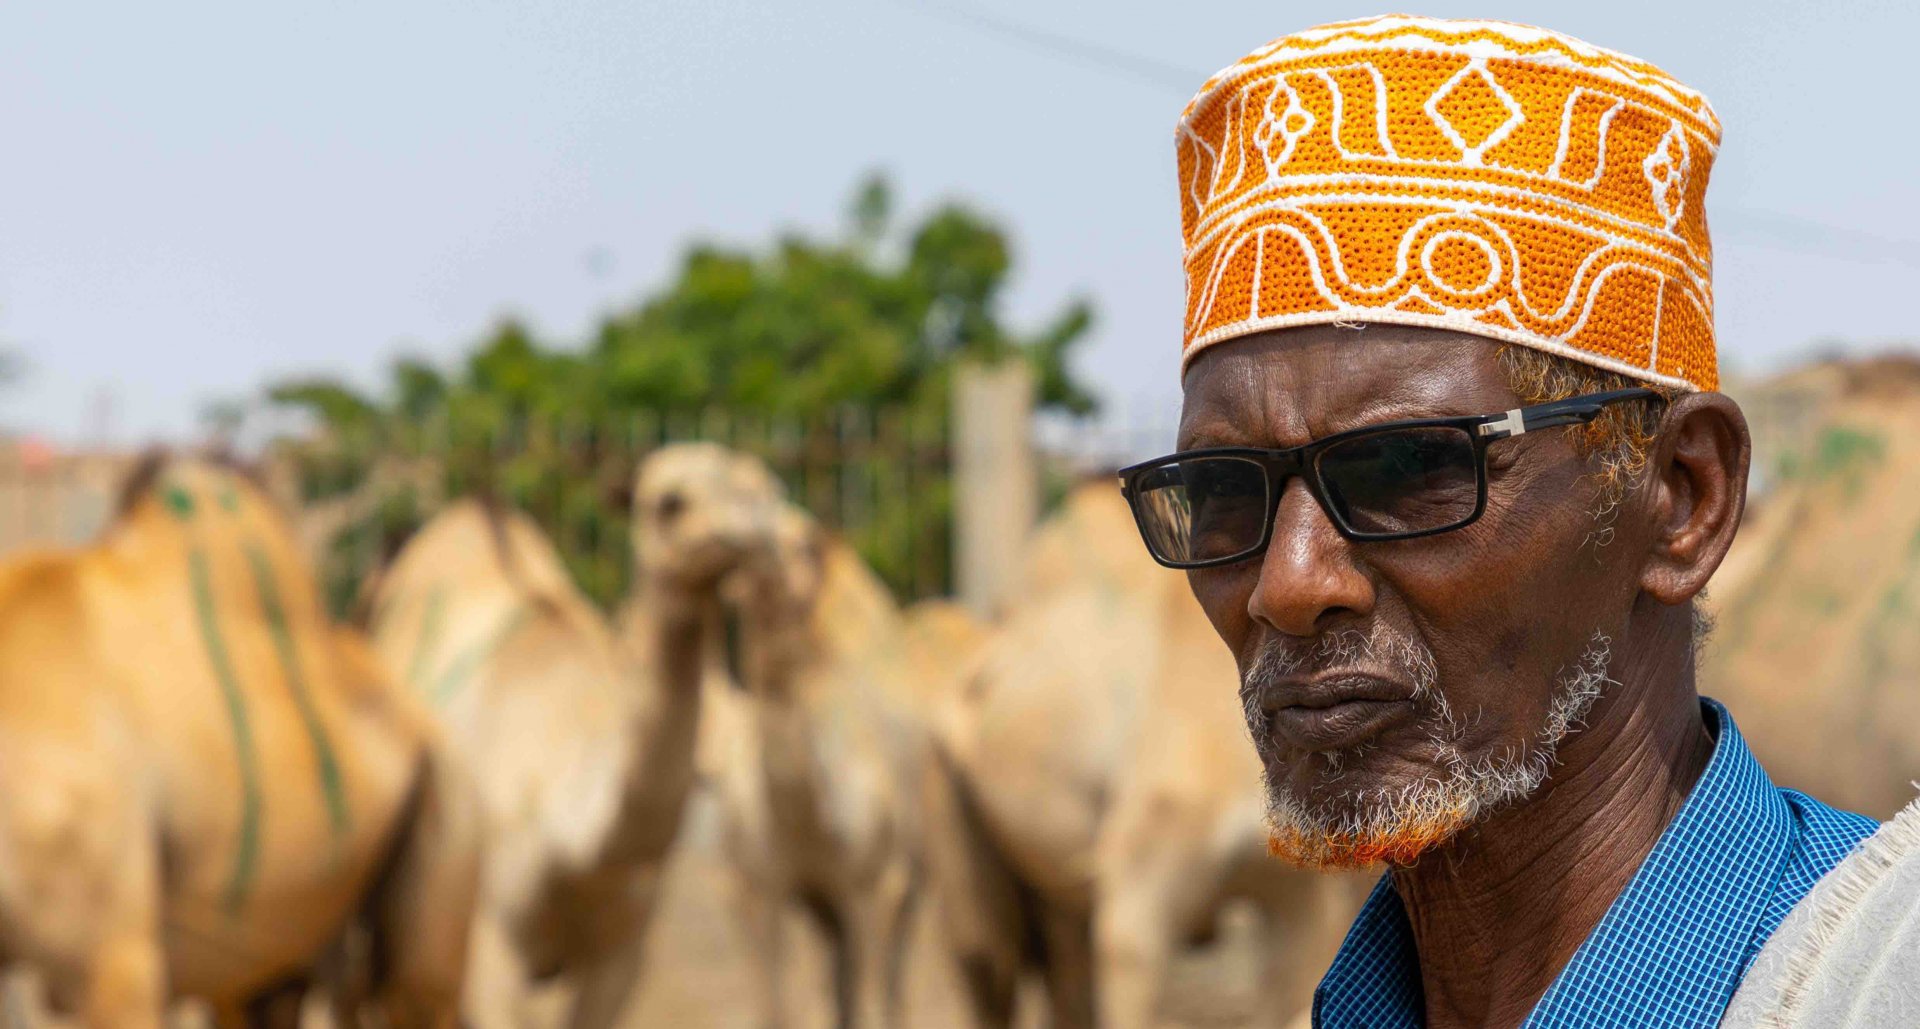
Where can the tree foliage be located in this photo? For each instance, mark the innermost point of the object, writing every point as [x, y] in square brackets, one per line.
[873, 317]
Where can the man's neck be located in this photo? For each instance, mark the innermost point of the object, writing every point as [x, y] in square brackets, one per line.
[1497, 913]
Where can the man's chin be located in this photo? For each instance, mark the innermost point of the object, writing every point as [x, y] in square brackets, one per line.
[1348, 833]
[1334, 850]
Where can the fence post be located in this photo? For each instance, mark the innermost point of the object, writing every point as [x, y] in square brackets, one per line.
[995, 484]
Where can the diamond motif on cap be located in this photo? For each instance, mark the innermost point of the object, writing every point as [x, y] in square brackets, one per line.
[1460, 108]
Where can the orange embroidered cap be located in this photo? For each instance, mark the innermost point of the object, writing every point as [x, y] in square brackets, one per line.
[1480, 176]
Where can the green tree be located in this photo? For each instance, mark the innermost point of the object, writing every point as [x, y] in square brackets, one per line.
[806, 329]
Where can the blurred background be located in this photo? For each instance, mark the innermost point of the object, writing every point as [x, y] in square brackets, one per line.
[919, 259]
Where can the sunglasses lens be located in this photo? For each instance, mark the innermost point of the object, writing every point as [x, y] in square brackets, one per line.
[1402, 480]
[1202, 509]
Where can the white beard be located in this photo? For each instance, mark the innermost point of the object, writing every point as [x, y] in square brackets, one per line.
[1396, 825]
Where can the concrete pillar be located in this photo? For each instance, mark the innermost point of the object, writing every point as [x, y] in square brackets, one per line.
[995, 483]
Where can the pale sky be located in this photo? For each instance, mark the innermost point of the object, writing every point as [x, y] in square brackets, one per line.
[197, 198]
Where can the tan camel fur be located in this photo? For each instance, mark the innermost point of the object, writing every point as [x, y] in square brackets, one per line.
[1109, 804]
[583, 750]
[816, 783]
[212, 788]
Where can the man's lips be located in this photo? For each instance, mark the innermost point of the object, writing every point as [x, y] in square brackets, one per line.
[1333, 712]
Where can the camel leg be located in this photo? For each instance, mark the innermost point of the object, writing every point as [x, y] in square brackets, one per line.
[125, 977]
[80, 887]
[991, 980]
[1134, 928]
[18, 1004]
[990, 977]
[606, 986]
[341, 979]
[1067, 935]
[902, 902]
[976, 899]
[127, 985]
[422, 910]
[499, 991]
[869, 950]
[1153, 884]
[758, 909]
[278, 1008]
[1134, 950]
[840, 951]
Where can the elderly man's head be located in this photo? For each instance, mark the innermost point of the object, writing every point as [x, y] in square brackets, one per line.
[1399, 689]
[1499, 233]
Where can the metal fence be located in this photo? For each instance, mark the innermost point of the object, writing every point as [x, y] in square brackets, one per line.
[879, 477]
[884, 478]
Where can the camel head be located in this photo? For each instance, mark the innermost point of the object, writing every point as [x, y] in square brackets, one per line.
[777, 593]
[810, 598]
[700, 511]
[783, 582]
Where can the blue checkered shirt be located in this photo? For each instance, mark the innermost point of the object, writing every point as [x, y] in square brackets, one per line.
[1675, 943]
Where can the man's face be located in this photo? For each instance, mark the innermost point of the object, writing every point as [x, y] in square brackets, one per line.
[1398, 691]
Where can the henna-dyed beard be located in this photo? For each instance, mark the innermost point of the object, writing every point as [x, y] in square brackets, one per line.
[1396, 827]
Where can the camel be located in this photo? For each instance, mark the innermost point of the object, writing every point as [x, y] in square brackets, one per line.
[815, 780]
[941, 646]
[1105, 803]
[583, 750]
[217, 793]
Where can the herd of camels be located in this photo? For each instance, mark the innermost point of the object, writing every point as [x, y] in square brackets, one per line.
[211, 791]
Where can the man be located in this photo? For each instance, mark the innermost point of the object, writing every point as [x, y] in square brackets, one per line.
[1452, 478]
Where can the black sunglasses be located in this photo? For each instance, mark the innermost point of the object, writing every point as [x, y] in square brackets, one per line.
[1395, 481]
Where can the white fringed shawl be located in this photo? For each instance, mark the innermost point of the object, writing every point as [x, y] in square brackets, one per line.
[1849, 953]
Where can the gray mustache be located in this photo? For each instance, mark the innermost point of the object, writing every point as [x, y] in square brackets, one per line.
[1378, 649]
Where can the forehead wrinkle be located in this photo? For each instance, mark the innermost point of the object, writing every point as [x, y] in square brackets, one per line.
[1404, 400]
[1229, 404]
[1297, 385]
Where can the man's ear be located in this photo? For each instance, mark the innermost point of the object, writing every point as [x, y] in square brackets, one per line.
[1697, 486]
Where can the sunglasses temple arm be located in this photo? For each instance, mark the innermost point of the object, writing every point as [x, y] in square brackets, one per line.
[1578, 410]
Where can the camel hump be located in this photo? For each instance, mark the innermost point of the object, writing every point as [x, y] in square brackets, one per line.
[253, 591]
[477, 577]
[483, 539]
[943, 644]
[856, 609]
[944, 630]
[1090, 542]
[525, 554]
[239, 545]
[191, 638]
[189, 485]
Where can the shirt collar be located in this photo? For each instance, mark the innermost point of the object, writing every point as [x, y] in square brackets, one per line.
[1681, 931]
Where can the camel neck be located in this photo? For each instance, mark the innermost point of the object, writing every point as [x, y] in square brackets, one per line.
[681, 631]
[774, 643]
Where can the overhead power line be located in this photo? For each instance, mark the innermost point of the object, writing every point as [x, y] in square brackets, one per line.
[1764, 227]
[1135, 66]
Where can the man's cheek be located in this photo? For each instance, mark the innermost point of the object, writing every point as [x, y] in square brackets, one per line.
[1223, 593]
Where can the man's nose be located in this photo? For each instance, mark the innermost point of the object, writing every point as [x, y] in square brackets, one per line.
[1308, 577]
